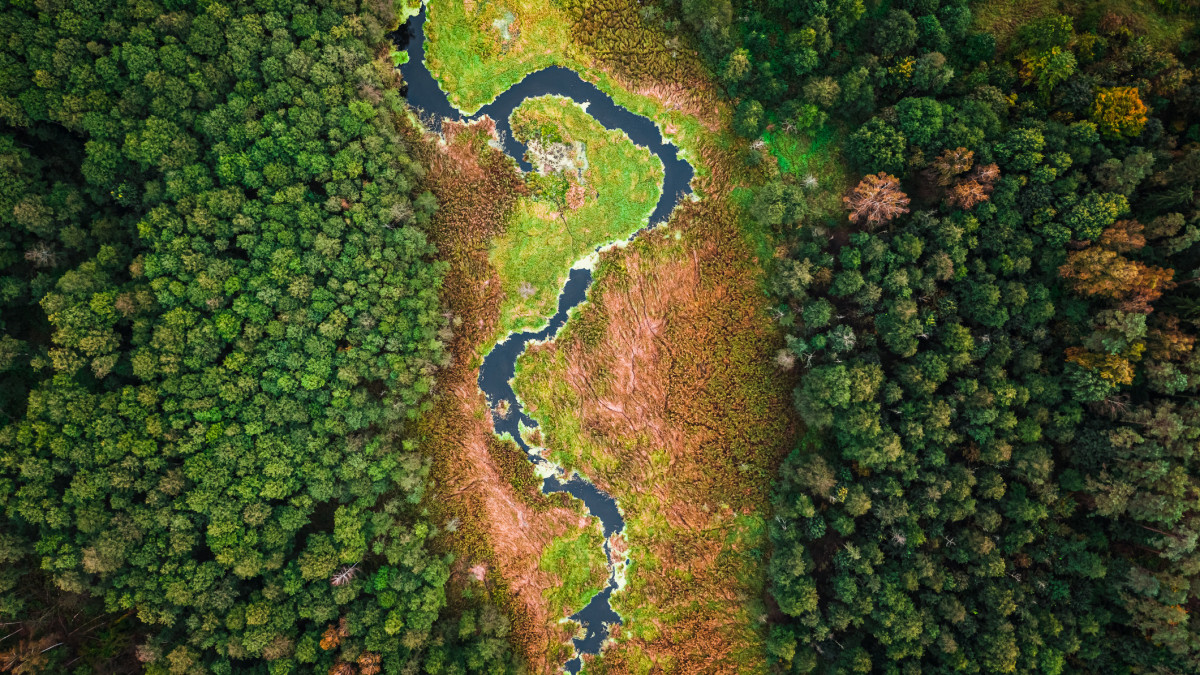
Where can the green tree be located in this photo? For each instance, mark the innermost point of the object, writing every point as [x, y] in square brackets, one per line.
[877, 147]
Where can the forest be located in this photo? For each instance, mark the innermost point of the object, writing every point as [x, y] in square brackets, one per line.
[220, 306]
[245, 288]
[995, 344]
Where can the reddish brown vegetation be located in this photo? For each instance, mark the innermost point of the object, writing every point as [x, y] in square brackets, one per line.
[1124, 236]
[332, 637]
[967, 195]
[576, 196]
[950, 164]
[484, 485]
[1100, 270]
[962, 190]
[1167, 341]
[673, 356]
[876, 200]
[369, 663]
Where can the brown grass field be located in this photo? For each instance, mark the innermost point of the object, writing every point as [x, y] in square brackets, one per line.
[662, 390]
[485, 495]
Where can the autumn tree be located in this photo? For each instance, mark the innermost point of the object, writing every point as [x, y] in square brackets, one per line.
[876, 200]
[950, 164]
[1119, 111]
[1102, 272]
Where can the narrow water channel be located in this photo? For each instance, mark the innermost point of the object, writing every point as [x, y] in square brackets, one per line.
[499, 366]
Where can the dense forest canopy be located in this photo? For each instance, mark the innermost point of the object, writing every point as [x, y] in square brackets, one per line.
[219, 310]
[996, 351]
[218, 305]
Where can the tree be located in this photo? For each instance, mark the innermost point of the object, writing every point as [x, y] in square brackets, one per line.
[1047, 69]
[749, 119]
[736, 69]
[1088, 217]
[967, 194]
[823, 91]
[1097, 271]
[951, 163]
[877, 147]
[858, 94]
[876, 200]
[1119, 112]
[920, 119]
[896, 34]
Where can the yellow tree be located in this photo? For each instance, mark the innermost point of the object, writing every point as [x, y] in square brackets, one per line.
[1119, 111]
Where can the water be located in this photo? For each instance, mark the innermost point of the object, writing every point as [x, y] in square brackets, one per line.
[499, 366]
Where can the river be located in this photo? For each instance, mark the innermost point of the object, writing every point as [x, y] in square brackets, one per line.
[499, 365]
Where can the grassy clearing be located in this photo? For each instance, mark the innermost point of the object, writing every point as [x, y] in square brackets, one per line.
[801, 156]
[578, 559]
[622, 183]
[1002, 18]
[814, 158]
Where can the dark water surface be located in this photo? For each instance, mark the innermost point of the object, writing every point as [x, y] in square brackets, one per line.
[499, 366]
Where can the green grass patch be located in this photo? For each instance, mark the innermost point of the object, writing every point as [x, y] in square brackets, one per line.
[468, 52]
[621, 185]
[579, 561]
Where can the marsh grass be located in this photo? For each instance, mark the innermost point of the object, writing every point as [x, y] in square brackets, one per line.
[695, 512]
[1003, 18]
[545, 236]
[578, 559]
[670, 404]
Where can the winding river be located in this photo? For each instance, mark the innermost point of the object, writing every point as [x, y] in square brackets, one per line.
[499, 366]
